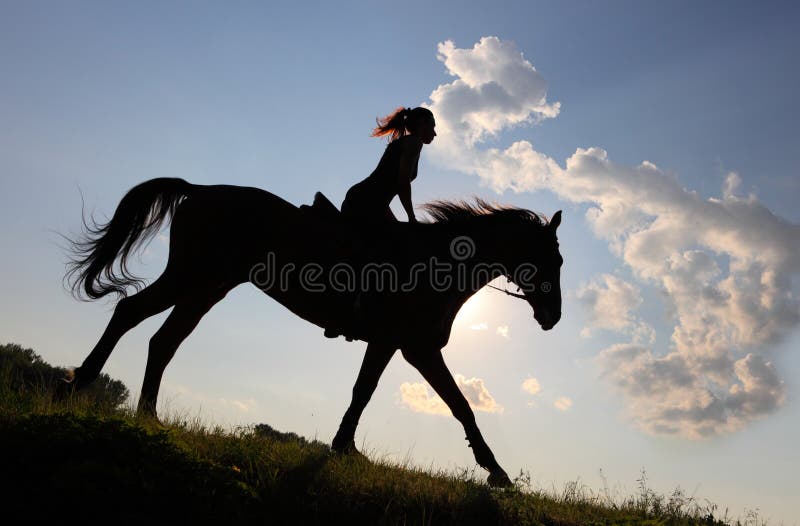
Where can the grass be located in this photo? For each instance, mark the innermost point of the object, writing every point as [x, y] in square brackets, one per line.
[84, 460]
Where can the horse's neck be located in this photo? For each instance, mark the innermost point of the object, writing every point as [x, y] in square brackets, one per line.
[488, 262]
[490, 245]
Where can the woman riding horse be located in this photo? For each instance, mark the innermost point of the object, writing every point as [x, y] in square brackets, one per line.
[220, 236]
[367, 202]
[408, 129]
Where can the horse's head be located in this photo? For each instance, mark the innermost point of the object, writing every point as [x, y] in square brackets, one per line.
[524, 247]
[538, 274]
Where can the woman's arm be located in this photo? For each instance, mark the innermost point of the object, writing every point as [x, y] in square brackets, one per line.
[406, 173]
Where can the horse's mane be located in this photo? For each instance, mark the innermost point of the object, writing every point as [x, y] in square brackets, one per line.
[459, 211]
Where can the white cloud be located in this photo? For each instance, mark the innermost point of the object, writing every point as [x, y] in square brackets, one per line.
[725, 264]
[418, 398]
[479, 326]
[245, 406]
[502, 330]
[532, 386]
[611, 304]
[562, 403]
[495, 87]
[671, 395]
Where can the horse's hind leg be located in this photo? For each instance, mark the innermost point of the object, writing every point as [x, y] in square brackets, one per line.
[179, 324]
[128, 313]
[375, 361]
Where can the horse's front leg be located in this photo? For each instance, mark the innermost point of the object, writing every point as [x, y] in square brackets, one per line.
[375, 361]
[430, 364]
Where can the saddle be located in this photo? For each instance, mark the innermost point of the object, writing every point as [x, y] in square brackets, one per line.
[322, 208]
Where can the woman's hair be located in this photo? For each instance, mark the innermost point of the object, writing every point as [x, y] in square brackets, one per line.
[396, 123]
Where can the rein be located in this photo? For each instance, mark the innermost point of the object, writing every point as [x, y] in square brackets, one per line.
[514, 294]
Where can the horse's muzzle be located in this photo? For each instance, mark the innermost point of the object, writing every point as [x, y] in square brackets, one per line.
[548, 322]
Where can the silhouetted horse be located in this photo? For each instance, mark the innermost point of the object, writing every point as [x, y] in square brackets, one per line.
[393, 285]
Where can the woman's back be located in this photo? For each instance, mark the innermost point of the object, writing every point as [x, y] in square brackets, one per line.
[382, 183]
[370, 199]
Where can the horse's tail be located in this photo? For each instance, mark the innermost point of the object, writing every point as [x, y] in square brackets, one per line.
[140, 214]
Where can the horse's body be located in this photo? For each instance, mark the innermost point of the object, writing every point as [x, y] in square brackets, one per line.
[222, 236]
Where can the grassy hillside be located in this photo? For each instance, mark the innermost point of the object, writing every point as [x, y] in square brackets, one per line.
[89, 458]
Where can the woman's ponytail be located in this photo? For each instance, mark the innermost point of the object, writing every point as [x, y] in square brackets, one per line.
[393, 124]
[400, 120]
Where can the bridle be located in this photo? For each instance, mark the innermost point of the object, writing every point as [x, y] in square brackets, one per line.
[514, 294]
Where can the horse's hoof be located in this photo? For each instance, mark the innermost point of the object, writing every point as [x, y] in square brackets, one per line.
[147, 413]
[499, 479]
[64, 387]
[343, 447]
[150, 419]
[347, 448]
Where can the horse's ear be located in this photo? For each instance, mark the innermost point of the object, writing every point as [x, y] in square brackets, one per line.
[555, 221]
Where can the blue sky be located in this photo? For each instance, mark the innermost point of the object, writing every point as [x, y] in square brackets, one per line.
[96, 98]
